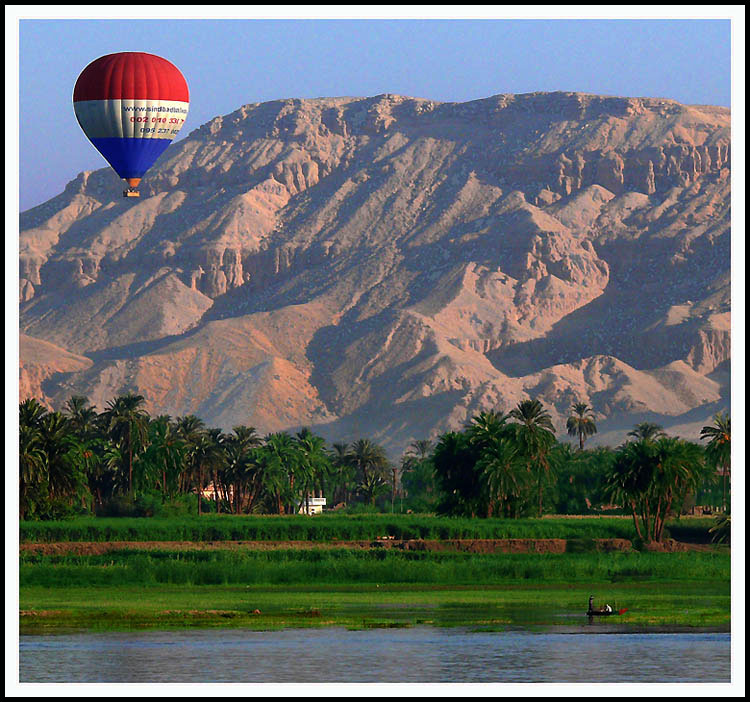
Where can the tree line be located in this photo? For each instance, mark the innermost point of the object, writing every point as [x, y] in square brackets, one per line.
[500, 464]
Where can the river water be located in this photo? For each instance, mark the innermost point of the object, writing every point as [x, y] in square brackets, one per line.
[422, 654]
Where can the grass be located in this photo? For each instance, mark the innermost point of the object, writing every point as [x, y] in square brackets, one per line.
[344, 566]
[497, 607]
[331, 527]
[277, 589]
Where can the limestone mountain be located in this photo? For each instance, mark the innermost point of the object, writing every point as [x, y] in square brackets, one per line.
[390, 266]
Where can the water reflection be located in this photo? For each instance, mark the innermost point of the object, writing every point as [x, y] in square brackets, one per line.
[382, 655]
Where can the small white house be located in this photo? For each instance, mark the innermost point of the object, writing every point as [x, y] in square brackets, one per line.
[312, 505]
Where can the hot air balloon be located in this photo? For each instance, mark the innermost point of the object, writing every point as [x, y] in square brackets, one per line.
[131, 105]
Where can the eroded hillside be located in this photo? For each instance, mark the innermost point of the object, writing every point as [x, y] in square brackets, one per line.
[388, 267]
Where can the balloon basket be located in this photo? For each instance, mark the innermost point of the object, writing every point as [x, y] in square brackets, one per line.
[131, 192]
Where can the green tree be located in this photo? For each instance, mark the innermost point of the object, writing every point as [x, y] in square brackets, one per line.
[343, 473]
[65, 477]
[217, 465]
[241, 468]
[190, 429]
[314, 464]
[719, 448]
[30, 413]
[486, 428]
[651, 477]
[32, 457]
[581, 422]
[32, 469]
[460, 484]
[277, 461]
[648, 431]
[126, 422]
[206, 456]
[580, 477]
[535, 436]
[504, 471]
[417, 474]
[371, 464]
[82, 417]
[166, 453]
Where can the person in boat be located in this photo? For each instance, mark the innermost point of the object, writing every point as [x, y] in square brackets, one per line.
[607, 608]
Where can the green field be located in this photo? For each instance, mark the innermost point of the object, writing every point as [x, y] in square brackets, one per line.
[340, 527]
[129, 588]
[344, 566]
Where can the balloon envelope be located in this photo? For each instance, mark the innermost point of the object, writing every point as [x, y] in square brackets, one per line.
[131, 105]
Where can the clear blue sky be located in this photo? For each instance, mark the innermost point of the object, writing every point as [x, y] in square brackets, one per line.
[229, 63]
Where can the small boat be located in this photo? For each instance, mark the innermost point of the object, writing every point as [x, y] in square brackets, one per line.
[605, 611]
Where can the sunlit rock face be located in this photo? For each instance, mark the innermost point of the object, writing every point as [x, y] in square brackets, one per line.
[388, 267]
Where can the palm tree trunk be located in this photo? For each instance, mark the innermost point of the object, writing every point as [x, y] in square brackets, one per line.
[540, 494]
[200, 489]
[635, 520]
[130, 462]
[216, 490]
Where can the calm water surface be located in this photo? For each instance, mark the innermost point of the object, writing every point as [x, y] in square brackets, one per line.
[383, 655]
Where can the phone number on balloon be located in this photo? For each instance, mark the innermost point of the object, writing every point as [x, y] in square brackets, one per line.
[158, 120]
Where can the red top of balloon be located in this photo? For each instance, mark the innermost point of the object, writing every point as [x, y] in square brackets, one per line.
[131, 75]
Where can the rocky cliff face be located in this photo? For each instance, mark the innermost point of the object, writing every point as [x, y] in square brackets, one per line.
[388, 266]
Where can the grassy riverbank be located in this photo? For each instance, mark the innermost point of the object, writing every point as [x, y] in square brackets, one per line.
[276, 589]
[667, 606]
[215, 580]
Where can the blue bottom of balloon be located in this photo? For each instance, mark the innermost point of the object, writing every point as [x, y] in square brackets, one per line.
[130, 158]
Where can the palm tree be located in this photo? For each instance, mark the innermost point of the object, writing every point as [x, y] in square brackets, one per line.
[681, 469]
[719, 448]
[166, 452]
[190, 429]
[629, 480]
[126, 421]
[85, 424]
[32, 467]
[416, 468]
[206, 456]
[648, 431]
[246, 437]
[81, 416]
[218, 463]
[459, 482]
[651, 477]
[581, 422]
[314, 461]
[343, 472]
[486, 428]
[277, 461]
[500, 463]
[64, 467]
[371, 464]
[241, 469]
[535, 435]
[30, 413]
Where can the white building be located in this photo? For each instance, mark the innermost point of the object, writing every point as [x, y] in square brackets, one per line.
[312, 505]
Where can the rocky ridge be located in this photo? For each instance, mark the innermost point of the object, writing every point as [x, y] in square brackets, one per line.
[389, 266]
